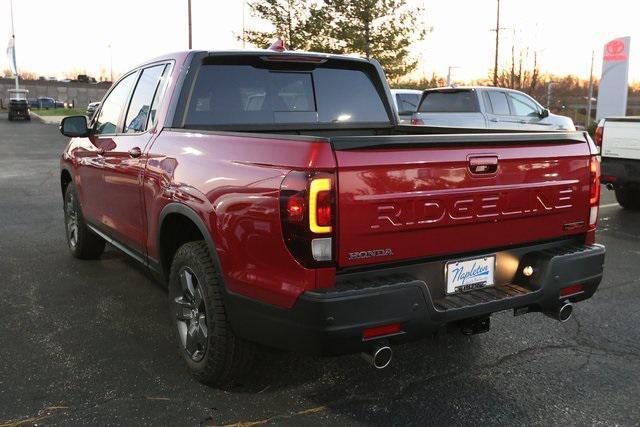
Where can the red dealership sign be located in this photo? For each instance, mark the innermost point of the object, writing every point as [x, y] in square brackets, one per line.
[615, 51]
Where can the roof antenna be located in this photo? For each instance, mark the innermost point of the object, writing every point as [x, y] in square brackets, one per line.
[278, 45]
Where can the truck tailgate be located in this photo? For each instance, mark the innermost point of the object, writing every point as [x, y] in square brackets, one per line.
[622, 138]
[411, 197]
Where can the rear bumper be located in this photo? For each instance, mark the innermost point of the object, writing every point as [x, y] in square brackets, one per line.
[331, 321]
[620, 172]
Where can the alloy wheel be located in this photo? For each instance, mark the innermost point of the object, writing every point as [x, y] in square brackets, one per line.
[191, 316]
[72, 220]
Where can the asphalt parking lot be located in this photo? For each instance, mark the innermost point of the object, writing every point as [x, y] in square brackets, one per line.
[90, 342]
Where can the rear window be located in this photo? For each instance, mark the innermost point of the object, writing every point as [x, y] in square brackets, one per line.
[449, 102]
[247, 95]
[407, 102]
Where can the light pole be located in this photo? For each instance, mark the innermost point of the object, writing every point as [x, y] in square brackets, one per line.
[449, 74]
[549, 86]
[590, 96]
[110, 62]
[243, 27]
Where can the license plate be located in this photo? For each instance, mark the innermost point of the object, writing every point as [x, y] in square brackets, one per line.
[470, 274]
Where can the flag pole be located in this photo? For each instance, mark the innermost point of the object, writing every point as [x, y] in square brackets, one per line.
[13, 39]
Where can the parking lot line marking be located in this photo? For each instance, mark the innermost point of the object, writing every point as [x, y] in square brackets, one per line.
[608, 205]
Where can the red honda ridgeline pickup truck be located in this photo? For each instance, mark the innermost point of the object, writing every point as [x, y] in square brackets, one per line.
[277, 196]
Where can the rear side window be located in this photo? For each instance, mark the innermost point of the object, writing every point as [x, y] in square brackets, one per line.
[407, 102]
[499, 103]
[449, 102]
[247, 95]
[140, 106]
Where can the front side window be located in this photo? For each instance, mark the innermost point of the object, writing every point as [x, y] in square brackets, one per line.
[523, 105]
[247, 95]
[107, 120]
[140, 106]
[499, 103]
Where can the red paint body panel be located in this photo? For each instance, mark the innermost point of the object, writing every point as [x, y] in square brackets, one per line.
[424, 202]
[233, 183]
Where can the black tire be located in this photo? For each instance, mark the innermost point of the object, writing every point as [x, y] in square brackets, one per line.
[213, 354]
[83, 243]
[628, 198]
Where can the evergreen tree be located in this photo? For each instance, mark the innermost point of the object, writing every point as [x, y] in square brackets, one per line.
[380, 29]
[301, 23]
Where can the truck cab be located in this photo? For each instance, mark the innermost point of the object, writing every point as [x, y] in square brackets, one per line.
[486, 107]
[18, 105]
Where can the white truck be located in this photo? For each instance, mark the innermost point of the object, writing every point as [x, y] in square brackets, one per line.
[619, 138]
[482, 107]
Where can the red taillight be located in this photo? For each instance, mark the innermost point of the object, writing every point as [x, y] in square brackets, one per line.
[295, 208]
[570, 290]
[415, 121]
[594, 197]
[323, 209]
[380, 331]
[599, 135]
[594, 168]
[307, 211]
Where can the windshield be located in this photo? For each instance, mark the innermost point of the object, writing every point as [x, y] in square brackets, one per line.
[449, 102]
[245, 94]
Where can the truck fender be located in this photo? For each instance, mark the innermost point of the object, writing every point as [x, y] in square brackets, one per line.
[186, 211]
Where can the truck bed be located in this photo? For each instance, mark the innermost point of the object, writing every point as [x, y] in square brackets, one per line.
[408, 192]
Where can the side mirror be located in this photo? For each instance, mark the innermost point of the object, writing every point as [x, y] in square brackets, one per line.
[544, 113]
[74, 127]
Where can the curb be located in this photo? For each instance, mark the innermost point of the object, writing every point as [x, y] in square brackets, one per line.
[50, 120]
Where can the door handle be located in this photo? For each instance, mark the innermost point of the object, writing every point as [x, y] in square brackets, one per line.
[135, 152]
[494, 120]
[483, 165]
[523, 121]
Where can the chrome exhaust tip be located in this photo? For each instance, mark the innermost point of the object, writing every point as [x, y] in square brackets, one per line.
[380, 357]
[609, 186]
[562, 313]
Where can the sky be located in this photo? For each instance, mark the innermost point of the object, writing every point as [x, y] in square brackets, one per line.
[53, 36]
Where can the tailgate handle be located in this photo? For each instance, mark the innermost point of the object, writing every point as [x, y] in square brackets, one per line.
[483, 165]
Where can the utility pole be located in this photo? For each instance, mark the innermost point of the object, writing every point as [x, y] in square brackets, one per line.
[495, 63]
[588, 120]
[189, 12]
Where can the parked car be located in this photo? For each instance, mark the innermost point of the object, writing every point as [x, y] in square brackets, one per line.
[59, 104]
[91, 109]
[18, 105]
[486, 107]
[278, 198]
[406, 103]
[46, 102]
[619, 139]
